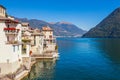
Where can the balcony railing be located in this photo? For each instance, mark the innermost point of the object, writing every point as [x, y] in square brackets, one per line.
[53, 38]
[49, 43]
[26, 41]
[13, 42]
[11, 31]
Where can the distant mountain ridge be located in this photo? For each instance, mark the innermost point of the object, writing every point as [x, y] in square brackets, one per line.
[60, 28]
[108, 28]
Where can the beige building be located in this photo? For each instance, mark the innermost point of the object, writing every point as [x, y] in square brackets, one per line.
[32, 39]
[49, 39]
[26, 40]
[37, 42]
[26, 44]
[2, 11]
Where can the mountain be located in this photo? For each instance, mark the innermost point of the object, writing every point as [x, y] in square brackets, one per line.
[60, 28]
[108, 28]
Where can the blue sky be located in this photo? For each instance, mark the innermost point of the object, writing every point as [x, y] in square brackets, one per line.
[83, 13]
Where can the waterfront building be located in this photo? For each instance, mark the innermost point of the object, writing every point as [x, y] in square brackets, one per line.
[10, 44]
[26, 40]
[26, 45]
[49, 39]
[37, 41]
[20, 45]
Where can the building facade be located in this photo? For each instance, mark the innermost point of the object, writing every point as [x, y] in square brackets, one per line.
[2, 11]
[37, 42]
[49, 39]
[10, 44]
[18, 42]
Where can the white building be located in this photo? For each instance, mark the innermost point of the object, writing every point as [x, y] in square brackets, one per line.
[10, 44]
[37, 42]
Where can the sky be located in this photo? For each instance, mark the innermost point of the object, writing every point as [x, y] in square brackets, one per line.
[86, 14]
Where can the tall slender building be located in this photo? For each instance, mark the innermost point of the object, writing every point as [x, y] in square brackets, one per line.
[10, 43]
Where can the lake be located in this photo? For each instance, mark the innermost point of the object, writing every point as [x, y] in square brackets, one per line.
[81, 59]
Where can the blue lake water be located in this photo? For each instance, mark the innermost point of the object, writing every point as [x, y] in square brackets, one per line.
[81, 59]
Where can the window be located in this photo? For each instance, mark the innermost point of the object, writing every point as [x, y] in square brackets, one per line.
[3, 11]
[50, 36]
[0, 10]
[18, 48]
[50, 32]
[7, 60]
[44, 36]
[7, 38]
[24, 49]
[13, 48]
[8, 26]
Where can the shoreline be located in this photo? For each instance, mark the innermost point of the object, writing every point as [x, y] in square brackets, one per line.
[37, 60]
[25, 72]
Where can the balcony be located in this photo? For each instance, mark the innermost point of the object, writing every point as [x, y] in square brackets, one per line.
[11, 31]
[26, 41]
[51, 38]
[13, 42]
[50, 41]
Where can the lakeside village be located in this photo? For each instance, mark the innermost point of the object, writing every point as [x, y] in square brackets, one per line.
[21, 45]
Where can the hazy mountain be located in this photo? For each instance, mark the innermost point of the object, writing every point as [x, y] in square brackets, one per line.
[60, 28]
[108, 28]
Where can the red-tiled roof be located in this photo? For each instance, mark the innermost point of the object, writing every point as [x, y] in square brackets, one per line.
[7, 20]
[47, 29]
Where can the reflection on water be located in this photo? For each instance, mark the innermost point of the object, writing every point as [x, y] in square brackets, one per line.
[111, 48]
[42, 70]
